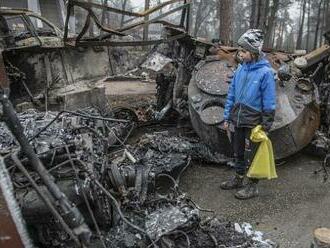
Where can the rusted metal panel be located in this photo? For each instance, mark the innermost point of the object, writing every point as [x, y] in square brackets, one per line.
[208, 77]
[4, 81]
[9, 236]
[13, 233]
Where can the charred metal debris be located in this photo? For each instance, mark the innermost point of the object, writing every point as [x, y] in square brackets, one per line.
[77, 177]
[125, 195]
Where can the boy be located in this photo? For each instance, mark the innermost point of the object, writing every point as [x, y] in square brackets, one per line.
[250, 101]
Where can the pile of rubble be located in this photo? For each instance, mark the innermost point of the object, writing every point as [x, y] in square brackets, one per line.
[127, 193]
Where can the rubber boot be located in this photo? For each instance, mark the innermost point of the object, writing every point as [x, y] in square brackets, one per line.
[236, 182]
[249, 191]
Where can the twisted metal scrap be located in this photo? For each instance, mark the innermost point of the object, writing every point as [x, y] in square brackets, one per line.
[184, 23]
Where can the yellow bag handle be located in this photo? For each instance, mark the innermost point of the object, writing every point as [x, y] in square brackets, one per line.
[263, 164]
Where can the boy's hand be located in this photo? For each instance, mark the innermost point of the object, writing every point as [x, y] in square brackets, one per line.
[226, 125]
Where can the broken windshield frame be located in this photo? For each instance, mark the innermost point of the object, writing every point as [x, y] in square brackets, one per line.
[29, 29]
[43, 27]
[17, 26]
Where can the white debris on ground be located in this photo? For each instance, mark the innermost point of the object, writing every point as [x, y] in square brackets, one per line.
[246, 228]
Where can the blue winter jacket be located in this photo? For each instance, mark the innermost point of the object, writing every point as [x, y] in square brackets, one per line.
[251, 94]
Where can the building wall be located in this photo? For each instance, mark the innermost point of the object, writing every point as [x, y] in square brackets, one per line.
[50, 10]
[14, 3]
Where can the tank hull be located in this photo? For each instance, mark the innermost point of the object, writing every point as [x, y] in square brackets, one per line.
[297, 118]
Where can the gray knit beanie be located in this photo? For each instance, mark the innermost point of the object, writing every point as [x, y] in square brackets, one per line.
[252, 40]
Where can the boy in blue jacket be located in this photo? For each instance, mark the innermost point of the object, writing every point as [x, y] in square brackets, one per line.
[250, 101]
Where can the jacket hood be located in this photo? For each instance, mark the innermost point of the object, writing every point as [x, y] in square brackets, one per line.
[263, 62]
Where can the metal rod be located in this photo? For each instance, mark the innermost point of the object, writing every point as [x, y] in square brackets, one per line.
[86, 199]
[67, 19]
[45, 199]
[153, 20]
[120, 11]
[188, 17]
[128, 43]
[76, 114]
[70, 213]
[85, 27]
[183, 15]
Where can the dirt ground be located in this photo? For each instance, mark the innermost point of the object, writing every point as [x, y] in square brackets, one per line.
[287, 210]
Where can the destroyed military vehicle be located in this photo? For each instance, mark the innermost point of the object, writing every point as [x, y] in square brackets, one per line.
[297, 115]
[299, 79]
[70, 179]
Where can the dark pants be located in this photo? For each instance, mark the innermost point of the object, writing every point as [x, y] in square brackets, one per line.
[244, 149]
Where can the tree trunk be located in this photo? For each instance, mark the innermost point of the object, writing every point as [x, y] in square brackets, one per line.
[123, 16]
[253, 12]
[274, 33]
[308, 25]
[322, 28]
[301, 28]
[259, 13]
[264, 10]
[198, 17]
[280, 35]
[327, 19]
[317, 24]
[226, 21]
[271, 24]
[146, 18]
[257, 17]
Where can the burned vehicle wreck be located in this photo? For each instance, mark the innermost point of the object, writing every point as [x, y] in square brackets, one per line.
[71, 177]
[76, 171]
[24, 28]
[75, 187]
[111, 188]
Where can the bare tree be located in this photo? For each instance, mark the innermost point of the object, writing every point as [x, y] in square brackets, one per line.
[322, 26]
[318, 23]
[254, 13]
[202, 11]
[226, 21]
[264, 12]
[269, 30]
[301, 27]
[259, 13]
[308, 25]
[241, 14]
[124, 4]
[146, 28]
[327, 18]
[279, 40]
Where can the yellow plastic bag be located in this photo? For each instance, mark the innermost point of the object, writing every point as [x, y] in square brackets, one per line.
[263, 164]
